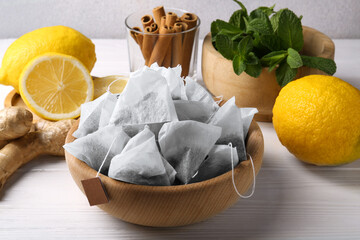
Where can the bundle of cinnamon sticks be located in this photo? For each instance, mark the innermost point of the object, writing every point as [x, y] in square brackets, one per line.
[162, 39]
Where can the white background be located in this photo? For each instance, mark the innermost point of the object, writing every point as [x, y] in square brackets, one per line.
[105, 18]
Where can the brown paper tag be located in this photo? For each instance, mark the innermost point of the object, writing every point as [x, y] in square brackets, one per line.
[95, 191]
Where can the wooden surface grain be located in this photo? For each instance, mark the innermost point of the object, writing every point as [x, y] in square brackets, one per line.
[292, 200]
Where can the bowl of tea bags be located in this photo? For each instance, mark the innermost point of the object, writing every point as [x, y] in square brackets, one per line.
[166, 153]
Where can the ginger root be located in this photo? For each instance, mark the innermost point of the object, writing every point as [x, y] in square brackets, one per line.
[15, 122]
[48, 138]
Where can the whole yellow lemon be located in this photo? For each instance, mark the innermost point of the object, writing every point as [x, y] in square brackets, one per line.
[58, 39]
[317, 118]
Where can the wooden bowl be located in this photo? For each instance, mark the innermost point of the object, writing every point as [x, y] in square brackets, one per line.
[166, 206]
[261, 92]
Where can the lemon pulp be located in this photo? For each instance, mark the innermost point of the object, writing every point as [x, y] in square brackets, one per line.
[55, 85]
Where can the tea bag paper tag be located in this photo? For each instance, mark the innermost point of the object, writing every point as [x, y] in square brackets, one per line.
[95, 191]
[93, 187]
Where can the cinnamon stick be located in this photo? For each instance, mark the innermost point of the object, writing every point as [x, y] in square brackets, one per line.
[158, 13]
[170, 18]
[155, 28]
[162, 45]
[138, 37]
[163, 21]
[135, 35]
[167, 60]
[149, 41]
[191, 20]
[147, 20]
[177, 43]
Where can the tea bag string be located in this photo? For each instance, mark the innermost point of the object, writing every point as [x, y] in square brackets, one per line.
[108, 88]
[232, 173]
[107, 154]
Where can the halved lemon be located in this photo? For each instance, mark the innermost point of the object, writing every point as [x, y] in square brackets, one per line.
[55, 85]
[117, 84]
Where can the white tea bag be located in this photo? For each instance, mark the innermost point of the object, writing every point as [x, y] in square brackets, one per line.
[174, 80]
[195, 92]
[170, 171]
[140, 162]
[247, 114]
[228, 117]
[90, 116]
[217, 163]
[132, 130]
[194, 110]
[92, 148]
[107, 109]
[146, 99]
[185, 145]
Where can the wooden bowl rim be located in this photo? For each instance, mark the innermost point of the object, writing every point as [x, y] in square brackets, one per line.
[254, 129]
[327, 52]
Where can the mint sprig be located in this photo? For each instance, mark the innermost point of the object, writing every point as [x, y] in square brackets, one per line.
[265, 38]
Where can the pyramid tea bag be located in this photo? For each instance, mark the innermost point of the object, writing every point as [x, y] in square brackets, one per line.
[174, 80]
[140, 162]
[218, 162]
[185, 145]
[92, 148]
[228, 117]
[194, 110]
[132, 130]
[170, 171]
[146, 99]
[195, 92]
[90, 116]
[247, 115]
[107, 109]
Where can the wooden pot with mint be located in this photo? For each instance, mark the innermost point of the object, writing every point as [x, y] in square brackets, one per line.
[254, 54]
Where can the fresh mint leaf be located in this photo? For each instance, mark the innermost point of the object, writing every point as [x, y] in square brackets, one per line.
[265, 38]
[251, 59]
[214, 31]
[227, 28]
[294, 58]
[275, 20]
[237, 20]
[260, 25]
[259, 49]
[242, 6]
[225, 46]
[274, 65]
[245, 46]
[274, 57]
[285, 74]
[324, 64]
[290, 30]
[238, 65]
[258, 12]
[237, 37]
[272, 42]
[254, 70]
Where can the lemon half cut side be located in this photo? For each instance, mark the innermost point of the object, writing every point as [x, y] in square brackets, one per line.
[117, 84]
[55, 85]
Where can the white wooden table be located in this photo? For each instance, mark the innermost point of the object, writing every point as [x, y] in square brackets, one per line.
[292, 200]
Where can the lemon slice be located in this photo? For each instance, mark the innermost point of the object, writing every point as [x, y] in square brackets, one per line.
[101, 84]
[55, 85]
